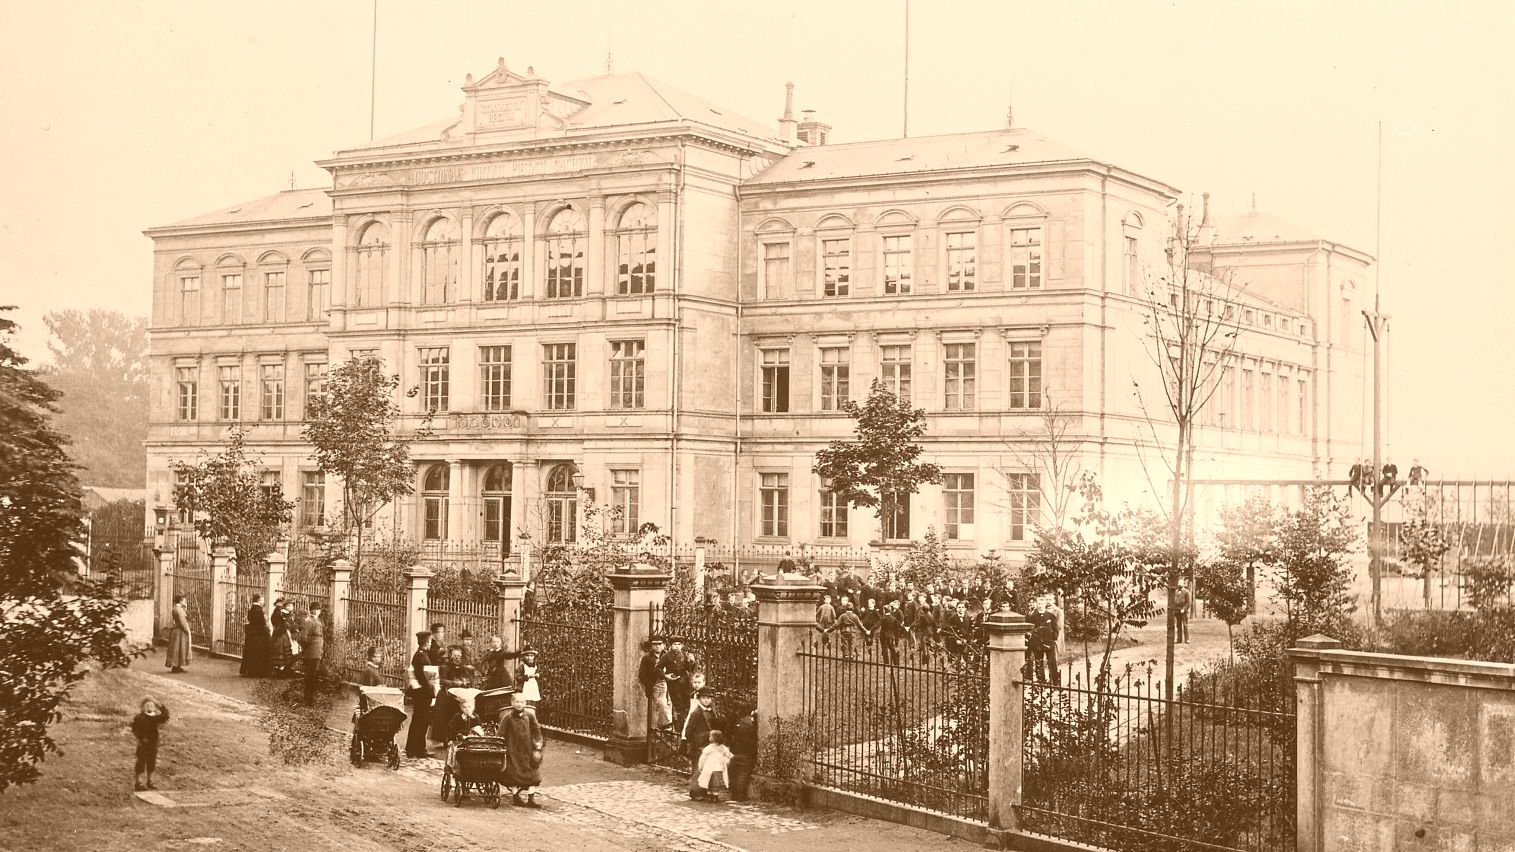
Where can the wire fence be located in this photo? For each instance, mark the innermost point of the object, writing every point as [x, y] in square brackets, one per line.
[576, 657]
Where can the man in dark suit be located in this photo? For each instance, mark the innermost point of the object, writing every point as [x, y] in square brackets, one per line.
[696, 731]
[677, 666]
[312, 648]
[436, 652]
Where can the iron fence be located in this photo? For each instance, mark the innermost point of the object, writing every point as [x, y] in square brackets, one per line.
[476, 612]
[191, 577]
[917, 733]
[470, 556]
[376, 618]
[723, 644]
[1116, 764]
[251, 581]
[575, 661]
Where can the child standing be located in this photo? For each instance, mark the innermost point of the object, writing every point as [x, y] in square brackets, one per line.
[145, 728]
[712, 769]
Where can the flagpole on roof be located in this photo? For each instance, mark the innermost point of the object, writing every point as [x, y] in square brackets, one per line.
[906, 131]
[373, 69]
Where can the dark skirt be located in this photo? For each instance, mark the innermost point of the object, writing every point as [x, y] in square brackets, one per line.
[420, 717]
[283, 650]
[257, 651]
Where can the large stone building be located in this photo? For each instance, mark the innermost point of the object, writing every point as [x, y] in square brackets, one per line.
[611, 287]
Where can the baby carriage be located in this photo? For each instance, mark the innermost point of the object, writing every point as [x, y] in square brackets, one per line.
[375, 723]
[474, 764]
[490, 703]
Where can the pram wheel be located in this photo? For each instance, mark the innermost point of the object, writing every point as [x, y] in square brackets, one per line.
[355, 751]
[394, 756]
[446, 782]
[492, 794]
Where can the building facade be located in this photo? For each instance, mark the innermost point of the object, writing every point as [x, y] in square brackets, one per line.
[613, 290]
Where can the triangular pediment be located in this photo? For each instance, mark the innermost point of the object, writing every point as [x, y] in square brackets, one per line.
[504, 101]
[500, 78]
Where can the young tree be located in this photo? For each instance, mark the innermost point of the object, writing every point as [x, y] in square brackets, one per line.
[100, 368]
[228, 490]
[44, 637]
[1052, 457]
[1314, 579]
[881, 466]
[352, 427]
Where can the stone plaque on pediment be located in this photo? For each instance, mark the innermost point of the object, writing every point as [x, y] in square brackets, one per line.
[502, 113]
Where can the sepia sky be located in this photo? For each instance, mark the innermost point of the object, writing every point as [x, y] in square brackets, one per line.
[118, 116]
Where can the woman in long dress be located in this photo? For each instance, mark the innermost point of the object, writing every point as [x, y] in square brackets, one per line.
[523, 751]
[526, 677]
[179, 653]
[283, 646]
[256, 646]
[421, 694]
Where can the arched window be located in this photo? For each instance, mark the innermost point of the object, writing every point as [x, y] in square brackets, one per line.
[497, 481]
[566, 237]
[439, 266]
[434, 502]
[636, 252]
[368, 285]
[562, 505]
[502, 259]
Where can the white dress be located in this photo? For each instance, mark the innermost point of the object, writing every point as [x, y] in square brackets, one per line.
[528, 688]
[713, 762]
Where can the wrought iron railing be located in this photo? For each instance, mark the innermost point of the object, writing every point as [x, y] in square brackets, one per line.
[576, 656]
[251, 580]
[191, 577]
[376, 618]
[478, 613]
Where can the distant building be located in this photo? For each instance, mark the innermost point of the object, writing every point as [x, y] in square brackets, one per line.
[614, 280]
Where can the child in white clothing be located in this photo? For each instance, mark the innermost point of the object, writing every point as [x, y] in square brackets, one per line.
[712, 775]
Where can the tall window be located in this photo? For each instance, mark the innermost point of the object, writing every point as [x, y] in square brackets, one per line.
[1129, 265]
[1246, 401]
[961, 379]
[898, 264]
[962, 261]
[434, 500]
[957, 505]
[559, 373]
[188, 382]
[775, 380]
[273, 297]
[368, 286]
[775, 270]
[229, 380]
[1265, 396]
[566, 236]
[833, 515]
[636, 250]
[231, 298]
[315, 383]
[773, 494]
[627, 373]
[189, 300]
[625, 501]
[894, 371]
[502, 259]
[562, 506]
[1285, 384]
[494, 377]
[836, 267]
[320, 295]
[1225, 399]
[1304, 403]
[435, 378]
[269, 484]
[1025, 375]
[497, 483]
[312, 498]
[1025, 258]
[272, 396]
[836, 366]
[439, 265]
[1025, 503]
[896, 516]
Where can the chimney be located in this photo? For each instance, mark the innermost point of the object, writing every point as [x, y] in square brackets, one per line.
[786, 124]
[1206, 230]
[812, 132]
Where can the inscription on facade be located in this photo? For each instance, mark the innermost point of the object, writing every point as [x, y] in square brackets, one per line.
[501, 171]
[507, 112]
[488, 421]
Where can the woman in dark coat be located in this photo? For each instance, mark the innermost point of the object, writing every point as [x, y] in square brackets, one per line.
[422, 691]
[256, 644]
[283, 655]
[523, 751]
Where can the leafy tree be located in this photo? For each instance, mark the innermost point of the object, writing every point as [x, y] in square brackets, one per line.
[881, 467]
[1314, 578]
[100, 368]
[352, 430]
[227, 490]
[1423, 544]
[45, 637]
[1227, 593]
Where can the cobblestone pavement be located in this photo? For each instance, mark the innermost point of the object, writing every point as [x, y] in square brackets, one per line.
[668, 805]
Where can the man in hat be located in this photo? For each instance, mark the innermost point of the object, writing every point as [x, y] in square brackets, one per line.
[650, 676]
[312, 648]
[421, 694]
[696, 728]
[677, 666]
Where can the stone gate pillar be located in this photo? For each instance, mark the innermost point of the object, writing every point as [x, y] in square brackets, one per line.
[276, 565]
[223, 577]
[512, 592]
[786, 617]
[166, 556]
[637, 589]
[417, 584]
[1309, 741]
[1007, 658]
[341, 582]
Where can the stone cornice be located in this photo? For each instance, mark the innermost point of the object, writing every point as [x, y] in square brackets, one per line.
[962, 175]
[788, 588]
[638, 580]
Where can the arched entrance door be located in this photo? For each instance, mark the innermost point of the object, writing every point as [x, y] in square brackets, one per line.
[497, 487]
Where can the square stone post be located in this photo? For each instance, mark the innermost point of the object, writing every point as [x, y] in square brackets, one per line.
[637, 589]
[525, 552]
[341, 583]
[698, 573]
[1309, 741]
[417, 582]
[1007, 655]
[166, 555]
[276, 565]
[786, 617]
[512, 591]
[223, 578]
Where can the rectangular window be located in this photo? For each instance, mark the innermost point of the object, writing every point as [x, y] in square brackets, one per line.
[961, 382]
[565, 266]
[1130, 267]
[494, 518]
[775, 271]
[315, 383]
[312, 498]
[836, 266]
[434, 518]
[1025, 503]
[1304, 403]
[502, 269]
[1285, 384]
[1225, 399]
[1025, 258]
[896, 517]
[836, 366]
[775, 380]
[626, 501]
[962, 262]
[1246, 421]
[957, 505]
[273, 297]
[638, 250]
[899, 266]
[231, 299]
[269, 484]
[560, 375]
[229, 380]
[833, 515]
[320, 295]
[1025, 375]
[188, 380]
[189, 300]
[894, 371]
[774, 498]
[272, 396]
[1265, 424]
[627, 373]
[435, 378]
[494, 377]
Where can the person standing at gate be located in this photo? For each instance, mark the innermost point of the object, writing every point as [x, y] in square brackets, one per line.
[1041, 646]
[312, 649]
[255, 642]
[179, 653]
[1182, 601]
[650, 676]
[526, 677]
[677, 667]
[422, 691]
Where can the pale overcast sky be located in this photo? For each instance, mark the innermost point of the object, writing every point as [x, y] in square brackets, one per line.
[118, 116]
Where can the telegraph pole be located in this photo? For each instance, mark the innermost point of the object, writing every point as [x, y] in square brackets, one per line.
[1378, 325]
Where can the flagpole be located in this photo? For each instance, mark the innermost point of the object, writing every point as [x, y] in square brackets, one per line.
[373, 69]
